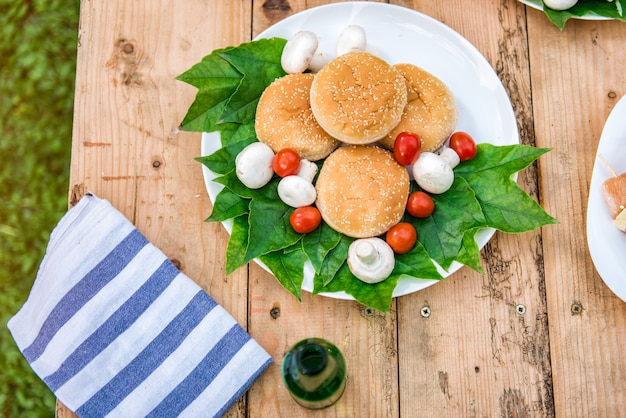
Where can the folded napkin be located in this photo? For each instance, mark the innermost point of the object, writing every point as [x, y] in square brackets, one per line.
[114, 329]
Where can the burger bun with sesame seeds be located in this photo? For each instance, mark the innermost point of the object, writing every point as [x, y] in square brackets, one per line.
[362, 190]
[284, 119]
[431, 111]
[358, 98]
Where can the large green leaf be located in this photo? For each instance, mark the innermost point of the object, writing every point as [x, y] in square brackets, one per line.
[237, 244]
[416, 263]
[469, 254]
[319, 243]
[334, 260]
[259, 62]
[270, 229]
[216, 80]
[288, 268]
[506, 207]
[228, 205]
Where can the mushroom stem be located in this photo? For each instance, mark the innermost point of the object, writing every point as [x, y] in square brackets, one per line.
[370, 259]
[366, 252]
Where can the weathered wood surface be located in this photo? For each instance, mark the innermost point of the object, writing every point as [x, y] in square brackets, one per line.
[539, 334]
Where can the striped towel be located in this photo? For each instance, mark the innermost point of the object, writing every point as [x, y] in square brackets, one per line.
[114, 329]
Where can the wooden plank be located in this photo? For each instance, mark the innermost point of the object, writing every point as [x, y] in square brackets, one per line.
[127, 147]
[366, 338]
[577, 77]
[483, 350]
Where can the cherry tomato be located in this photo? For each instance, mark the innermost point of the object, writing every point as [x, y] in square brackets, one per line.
[464, 145]
[420, 205]
[401, 237]
[286, 162]
[406, 148]
[305, 219]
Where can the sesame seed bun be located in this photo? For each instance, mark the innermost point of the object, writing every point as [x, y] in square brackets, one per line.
[362, 191]
[358, 98]
[431, 111]
[284, 119]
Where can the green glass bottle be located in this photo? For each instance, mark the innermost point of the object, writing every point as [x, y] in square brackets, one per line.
[314, 372]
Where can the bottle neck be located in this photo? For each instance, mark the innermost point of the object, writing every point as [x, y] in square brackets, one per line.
[311, 358]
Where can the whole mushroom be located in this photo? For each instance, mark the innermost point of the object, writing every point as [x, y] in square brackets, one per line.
[370, 259]
[318, 61]
[560, 4]
[352, 38]
[433, 173]
[253, 165]
[298, 52]
[296, 191]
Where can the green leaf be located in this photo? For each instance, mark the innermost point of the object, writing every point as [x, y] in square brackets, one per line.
[456, 211]
[288, 267]
[232, 183]
[469, 253]
[334, 260]
[228, 205]
[259, 62]
[222, 161]
[270, 229]
[237, 244]
[198, 117]
[611, 9]
[214, 74]
[506, 207]
[216, 80]
[319, 243]
[235, 133]
[377, 296]
[416, 263]
[506, 160]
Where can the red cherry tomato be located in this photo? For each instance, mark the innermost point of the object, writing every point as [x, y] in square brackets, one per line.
[286, 162]
[464, 145]
[401, 237]
[420, 205]
[406, 148]
[305, 219]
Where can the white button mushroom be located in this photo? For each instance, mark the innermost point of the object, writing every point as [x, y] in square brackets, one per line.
[352, 38]
[307, 170]
[432, 173]
[318, 61]
[298, 52]
[296, 191]
[451, 157]
[253, 165]
[370, 259]
[560, 4]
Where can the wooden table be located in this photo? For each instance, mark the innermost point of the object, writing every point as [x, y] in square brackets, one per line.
[538, 335]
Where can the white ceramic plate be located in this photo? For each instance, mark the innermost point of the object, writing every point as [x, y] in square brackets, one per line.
[607, 244]
[398, 34]
[536, 4]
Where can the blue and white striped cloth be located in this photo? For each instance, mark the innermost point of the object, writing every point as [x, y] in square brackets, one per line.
[114, 329]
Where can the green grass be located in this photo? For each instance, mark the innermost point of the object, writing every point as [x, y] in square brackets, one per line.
[38, 41]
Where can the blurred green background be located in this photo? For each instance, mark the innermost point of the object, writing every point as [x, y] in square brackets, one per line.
[38, 42]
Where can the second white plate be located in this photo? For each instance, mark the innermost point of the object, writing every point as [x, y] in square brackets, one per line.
[607, 244]
[536, 4]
